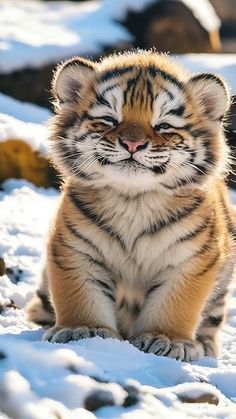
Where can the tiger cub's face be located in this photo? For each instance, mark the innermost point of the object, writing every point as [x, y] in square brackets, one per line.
[138, 121]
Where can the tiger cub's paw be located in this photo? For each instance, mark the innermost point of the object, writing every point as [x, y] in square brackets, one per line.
[64, 334]
[183, 350]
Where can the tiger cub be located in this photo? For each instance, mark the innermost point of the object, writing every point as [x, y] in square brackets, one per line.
[142, 244]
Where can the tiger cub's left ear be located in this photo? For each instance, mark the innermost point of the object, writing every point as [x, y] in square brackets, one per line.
[211, 93]
[70, 79]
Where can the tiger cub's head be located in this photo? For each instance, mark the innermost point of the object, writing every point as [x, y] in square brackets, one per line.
[138, 121]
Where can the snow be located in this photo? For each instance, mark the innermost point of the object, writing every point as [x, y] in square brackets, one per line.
[43, 380]
[35, 33]
[23, 121]
[27, 112]
[35, 135]
[222, 64]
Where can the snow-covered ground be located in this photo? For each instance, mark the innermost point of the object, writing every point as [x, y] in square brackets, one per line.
[40, 380]
[43, 380]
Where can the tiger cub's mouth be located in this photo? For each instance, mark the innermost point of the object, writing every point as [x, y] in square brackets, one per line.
[129, 163]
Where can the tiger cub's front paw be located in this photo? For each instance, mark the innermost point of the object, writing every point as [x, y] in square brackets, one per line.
[183, 350]
[64, 334]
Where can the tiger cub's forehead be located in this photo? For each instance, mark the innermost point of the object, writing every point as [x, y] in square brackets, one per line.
[141, 94]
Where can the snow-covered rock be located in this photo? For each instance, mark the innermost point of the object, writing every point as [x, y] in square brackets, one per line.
[23, 144]
[35, 135]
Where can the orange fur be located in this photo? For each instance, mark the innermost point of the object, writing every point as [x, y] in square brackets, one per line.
[143, 253]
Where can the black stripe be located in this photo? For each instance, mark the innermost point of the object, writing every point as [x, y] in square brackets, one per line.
[168, 352]
[92, 118]
[210, 265]
[131, 84]
[68, 246]
[200, 133]
[161, 169]
[104, 284]
[109, 296]
[122, 303]
[195, 232]
[212, 321]
[106, 288]
[166, 76]
[76, 233]
[221, 296]
[68, 155]
[63, 124]
[174, 218]
[115, 73]
[84, 175]
[103, 160]
[94, 217]
[228, 217]
[150, 344]
[80, 236]
[92, 333]
[177, 111]
[108, 89]
[209, 241]
[79, 62]
[209, 157]
[82, 138]
[153, 288]
[46, 303]
[102, 101]
[171, 96]
[182, 182]
[65, 151]
[58, 261]
[149, 91]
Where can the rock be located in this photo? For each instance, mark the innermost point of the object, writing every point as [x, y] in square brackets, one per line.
[203, 398]
[197, 393]
[172, 26]
[18, 160]
[133, 396]
[97, 399]
[226, 10]
[2, 267]
[29, 85]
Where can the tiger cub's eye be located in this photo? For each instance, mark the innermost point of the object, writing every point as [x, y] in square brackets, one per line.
[109, 119]
[163, 125]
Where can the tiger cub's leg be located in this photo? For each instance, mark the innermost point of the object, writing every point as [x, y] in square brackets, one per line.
[213, 319]
[82, 293]
[40, 309]
[169, 320]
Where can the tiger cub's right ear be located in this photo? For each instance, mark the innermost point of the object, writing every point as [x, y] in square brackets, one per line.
[70, 77]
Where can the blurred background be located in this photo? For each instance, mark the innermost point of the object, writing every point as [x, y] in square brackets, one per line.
[37, 34]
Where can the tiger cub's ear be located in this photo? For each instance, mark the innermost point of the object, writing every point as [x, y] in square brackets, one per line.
[70, 77]
[211, 93]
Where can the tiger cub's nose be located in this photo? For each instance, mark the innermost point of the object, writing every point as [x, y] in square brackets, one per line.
[133, 145]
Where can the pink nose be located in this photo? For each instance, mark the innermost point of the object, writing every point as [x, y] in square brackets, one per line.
[132, 146]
